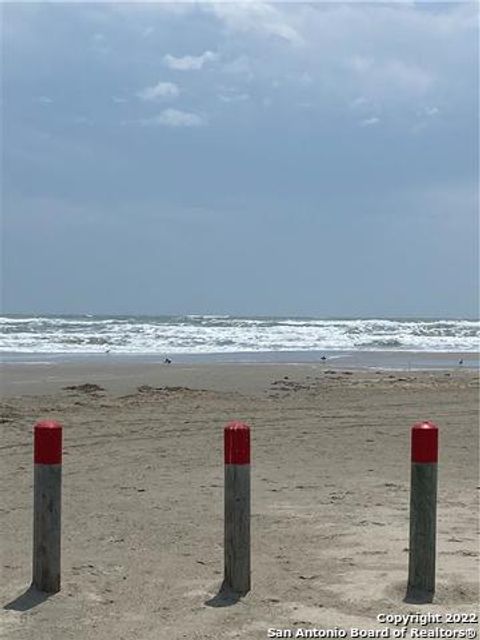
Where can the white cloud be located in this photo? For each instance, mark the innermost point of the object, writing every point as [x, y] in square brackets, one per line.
[239, 66]
[426, 117]
[408, 76]
[159, 91]
[257, 17]
[176, 118]
[99, 43]
[82, 120]
[45, 100]
[305, 105]
[366, 110]
[394, 71]
[189, 63]
[368, 122]
[234, 97]
[389, 78]
[361, 64]
[305, 79]
[359, 103]
[431, 111]
[267, 103]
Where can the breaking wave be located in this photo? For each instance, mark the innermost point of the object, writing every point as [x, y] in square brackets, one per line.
[228, 334]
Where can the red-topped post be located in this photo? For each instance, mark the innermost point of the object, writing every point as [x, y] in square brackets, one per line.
[423, 513]
[47, 490]
[237, 508]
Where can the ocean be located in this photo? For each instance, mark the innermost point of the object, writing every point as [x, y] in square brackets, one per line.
[216, 334]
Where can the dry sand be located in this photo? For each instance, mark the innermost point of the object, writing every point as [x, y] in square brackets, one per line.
[143, 497]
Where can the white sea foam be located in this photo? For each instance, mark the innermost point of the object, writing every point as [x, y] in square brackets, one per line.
[227, 334]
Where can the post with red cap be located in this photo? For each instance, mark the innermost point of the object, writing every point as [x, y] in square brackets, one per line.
[237, 508]
[423, 513]
[47, 493]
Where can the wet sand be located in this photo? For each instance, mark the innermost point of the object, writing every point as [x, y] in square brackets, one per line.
[143, 497]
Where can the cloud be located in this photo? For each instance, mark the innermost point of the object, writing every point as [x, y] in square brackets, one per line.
[233, 96]
[305, 105]
[359, 103]
[159, 91]
[426, 116]
[431, 111]
[395, 73]
[176, 118]
[257, 17]
[189, 63]
[242, 65]
[365, 110]
[305, 79]
[267, 103]
[361, 64]
[368, 122]
[82, 120]
[99, 43]
[409, 76]
[45, 100]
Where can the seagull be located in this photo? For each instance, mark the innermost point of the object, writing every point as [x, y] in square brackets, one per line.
[323, 358]
[167, 361]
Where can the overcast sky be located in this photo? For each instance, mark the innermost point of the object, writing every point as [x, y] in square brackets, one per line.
[290, 159]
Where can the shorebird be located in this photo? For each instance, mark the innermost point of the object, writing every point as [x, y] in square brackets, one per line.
[167, 361]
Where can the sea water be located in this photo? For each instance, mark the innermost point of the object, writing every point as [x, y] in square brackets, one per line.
[214, 334]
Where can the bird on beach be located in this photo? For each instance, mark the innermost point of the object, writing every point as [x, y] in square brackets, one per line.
[460, 361]
[323, 358]
[167, 361]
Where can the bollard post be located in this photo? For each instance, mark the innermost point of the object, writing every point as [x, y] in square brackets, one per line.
[237, 508]
[47, 487]
[423, 512]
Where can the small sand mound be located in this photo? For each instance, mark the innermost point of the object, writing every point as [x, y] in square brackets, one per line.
[87, 387]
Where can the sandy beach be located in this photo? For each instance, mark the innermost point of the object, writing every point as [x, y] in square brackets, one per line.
[142, 546]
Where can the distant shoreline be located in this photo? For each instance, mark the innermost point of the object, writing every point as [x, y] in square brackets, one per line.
[399, 360]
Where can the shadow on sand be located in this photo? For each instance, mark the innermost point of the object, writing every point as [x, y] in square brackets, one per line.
[224, 598]
[27, 600]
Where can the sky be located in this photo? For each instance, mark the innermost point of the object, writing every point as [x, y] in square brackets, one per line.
[240, 158]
